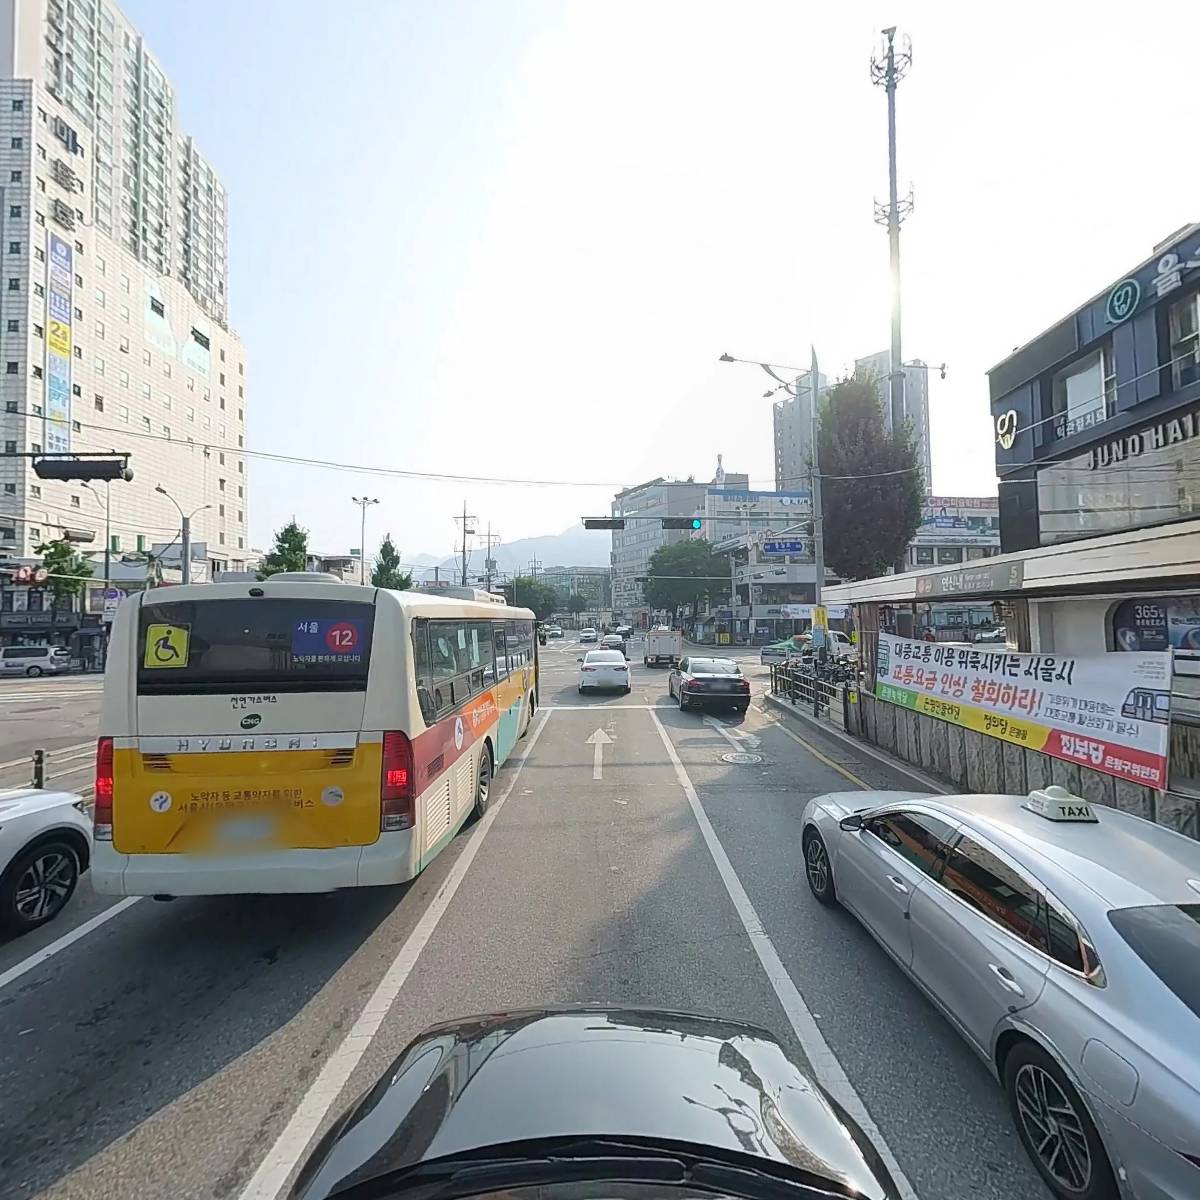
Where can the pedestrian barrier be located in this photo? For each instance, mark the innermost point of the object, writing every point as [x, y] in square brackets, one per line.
[66, 761]
[826, 693]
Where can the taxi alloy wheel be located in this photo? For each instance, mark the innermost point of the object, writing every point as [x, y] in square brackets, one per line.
[816, 867]
[1055, 1128]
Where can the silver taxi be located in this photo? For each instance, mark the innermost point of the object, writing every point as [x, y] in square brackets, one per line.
[1062, 941]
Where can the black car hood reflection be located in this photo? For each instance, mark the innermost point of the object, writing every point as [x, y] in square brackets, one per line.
[648, 1076]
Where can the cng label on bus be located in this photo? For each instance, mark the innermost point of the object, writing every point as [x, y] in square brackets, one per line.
[251, 721]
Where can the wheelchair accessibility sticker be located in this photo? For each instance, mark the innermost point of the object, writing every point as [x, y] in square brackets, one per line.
[166, 646]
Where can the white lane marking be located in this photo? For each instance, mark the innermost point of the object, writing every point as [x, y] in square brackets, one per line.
[824, 758]
[598, 740]
[67, 939]
[51, 755]
[591, 707]
[273, 1172]
[825, 1064]
[715, 724]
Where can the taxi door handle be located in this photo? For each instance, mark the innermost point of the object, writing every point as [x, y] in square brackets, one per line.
[1006, 980]
[898, 883]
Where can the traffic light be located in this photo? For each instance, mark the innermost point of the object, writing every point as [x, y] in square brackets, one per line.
[82, 468]
[603, 523]
[682, 523]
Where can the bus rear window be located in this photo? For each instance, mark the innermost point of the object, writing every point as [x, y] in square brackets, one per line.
[231, 645]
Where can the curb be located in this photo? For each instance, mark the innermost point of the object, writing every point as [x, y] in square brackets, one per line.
[918, 778]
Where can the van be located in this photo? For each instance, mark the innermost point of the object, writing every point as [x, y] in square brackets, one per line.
[34, 660]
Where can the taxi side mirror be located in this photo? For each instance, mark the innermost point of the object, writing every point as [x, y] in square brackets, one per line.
[851, 823]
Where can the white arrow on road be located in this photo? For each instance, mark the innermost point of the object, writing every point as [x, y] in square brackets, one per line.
[599, 739]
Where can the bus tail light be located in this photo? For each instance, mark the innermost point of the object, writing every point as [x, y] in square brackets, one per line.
[396, 790]
[102, 812]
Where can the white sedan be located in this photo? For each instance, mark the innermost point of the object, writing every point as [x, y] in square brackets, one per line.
[45, 845]
[604, 669]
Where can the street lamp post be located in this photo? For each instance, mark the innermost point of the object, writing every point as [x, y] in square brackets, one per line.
[795, 389]
[185, 530]
[107, 530]
[363, 502]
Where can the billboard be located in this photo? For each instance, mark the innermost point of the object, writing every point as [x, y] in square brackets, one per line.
[1110, 712]
[60, 280]
[959, 520]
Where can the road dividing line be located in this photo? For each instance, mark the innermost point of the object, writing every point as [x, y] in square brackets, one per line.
[273, 1172]
[67, 939]
[843, 771]
[825, 1064]
[713, 723]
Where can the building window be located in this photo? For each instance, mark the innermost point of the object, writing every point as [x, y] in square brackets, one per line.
[114, 543]
[146, 357]
[14, 177]
[241, 543]
[18, 143]
[124, 345]
[74, 501]
[1084, 393]
[35, 491]
[220, 510]
[37, 372]
[949, 554]
[39, 254]
[123, 413]
[146, 423]
[100, 329]
[10, 447]
[1184, 324]
[7, 533]
[38, 290]
[38, 331]
[14, 247]
[156, 307]
[10, 489]
[101, 265]
[18, 106]
[99, 366]
[14, 210]
[14, 285]
[13, 326]
[99, 403]
[124, 283]
[11, 406]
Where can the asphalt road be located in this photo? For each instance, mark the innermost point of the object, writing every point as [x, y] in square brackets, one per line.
[166, 1051]
[56, 713]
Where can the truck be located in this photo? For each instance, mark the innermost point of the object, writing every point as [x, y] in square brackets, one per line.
[663, 646]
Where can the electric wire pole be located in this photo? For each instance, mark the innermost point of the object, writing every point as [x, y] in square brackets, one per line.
[466, 529]
[488, 562]
[363, 502]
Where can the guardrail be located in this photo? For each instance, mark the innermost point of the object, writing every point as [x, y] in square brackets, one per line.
[49, 765]
[804, 686]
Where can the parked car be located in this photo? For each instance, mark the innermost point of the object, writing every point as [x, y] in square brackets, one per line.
[781, 651]
[588, 635]
[709, 682]
[999, 634]
[554, 631]
[45, 845]
[1062, 942]
[589, 1101]
[34, 660]
[603, 670]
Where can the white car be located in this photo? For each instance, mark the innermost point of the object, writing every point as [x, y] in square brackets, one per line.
[45, 845]
[587, 635]
[604, 669]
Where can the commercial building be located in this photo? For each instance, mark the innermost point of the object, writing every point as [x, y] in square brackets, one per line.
[792, 417]
[1097, 431]
[114, 326]
[643, 507]
[916, 402]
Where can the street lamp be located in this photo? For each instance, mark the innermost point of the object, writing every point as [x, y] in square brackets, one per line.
[185, 529]
[363, 502]
[107, 505]
[795, 389]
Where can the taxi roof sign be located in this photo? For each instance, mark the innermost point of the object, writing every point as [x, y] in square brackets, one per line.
[1057, 804]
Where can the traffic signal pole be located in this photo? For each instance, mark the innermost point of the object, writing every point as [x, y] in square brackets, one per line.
[817, 518]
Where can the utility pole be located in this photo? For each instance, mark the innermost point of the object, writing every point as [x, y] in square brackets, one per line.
[814, 457]
[363, 502]
[466, 529]
[487, 562]
[887, 72]
[534, 564]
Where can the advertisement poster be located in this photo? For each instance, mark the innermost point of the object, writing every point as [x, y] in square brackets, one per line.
[1109, 712]
[60, 279]
[959, 520]
[1169, 621]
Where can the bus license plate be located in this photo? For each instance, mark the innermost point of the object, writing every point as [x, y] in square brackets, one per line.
[239, 830]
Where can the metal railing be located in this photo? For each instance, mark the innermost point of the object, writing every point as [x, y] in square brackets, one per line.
[42, 767]
[823, 691]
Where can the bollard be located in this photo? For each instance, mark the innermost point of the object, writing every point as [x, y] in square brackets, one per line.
[39, 769]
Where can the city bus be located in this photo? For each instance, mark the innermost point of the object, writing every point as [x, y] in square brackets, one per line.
[300, 734]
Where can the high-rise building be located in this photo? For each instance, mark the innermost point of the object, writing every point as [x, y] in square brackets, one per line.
[113, 315]
[916, 402]
[793, 435]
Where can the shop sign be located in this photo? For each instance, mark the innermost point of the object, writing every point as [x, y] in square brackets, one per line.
[1169, 432]
[1108, 712]
[986, 577]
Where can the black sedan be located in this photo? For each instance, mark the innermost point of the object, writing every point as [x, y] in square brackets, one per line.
[569, 1103]
[708, 682]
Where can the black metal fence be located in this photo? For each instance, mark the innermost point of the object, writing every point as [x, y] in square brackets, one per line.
[823, 692]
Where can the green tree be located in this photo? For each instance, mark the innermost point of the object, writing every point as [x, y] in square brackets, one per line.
[871, 483]
[68, 569]
[386, 573]
[290, 552]
[578, 603]
[523, 591]
[684, 574]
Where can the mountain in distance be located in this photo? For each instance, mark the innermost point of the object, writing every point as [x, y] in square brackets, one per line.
[574, 547]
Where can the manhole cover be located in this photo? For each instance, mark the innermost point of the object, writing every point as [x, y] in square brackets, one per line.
[742, 759]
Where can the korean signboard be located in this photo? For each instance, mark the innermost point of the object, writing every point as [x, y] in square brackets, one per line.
[981, 577]
[780, 547]
[60, 279]
[959, 520]
[1109, 712]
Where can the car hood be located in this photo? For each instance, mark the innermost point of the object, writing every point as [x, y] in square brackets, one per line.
[841, 804]
[656, 1079]
[20, 802]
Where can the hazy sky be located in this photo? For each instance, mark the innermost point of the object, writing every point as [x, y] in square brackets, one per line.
[511, 237]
